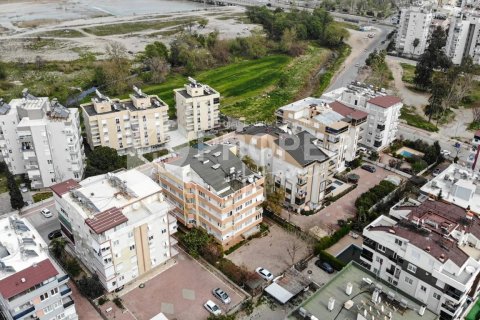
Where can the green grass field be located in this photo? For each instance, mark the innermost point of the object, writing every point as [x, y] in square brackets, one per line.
[235, 82]
[128, 27]
[64, 33]
[408, 72]
[414, 119]
[472, 315]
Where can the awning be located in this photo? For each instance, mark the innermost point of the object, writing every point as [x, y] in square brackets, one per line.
[279, 293]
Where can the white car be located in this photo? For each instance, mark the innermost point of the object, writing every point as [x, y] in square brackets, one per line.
[221, 295]
[46, 213]
[212, 308]
[23, 187]
[264, 273]
[445, 153]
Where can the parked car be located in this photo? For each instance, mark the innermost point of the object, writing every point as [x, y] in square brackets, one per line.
[362, 149]
[445, 153]
[118, 289]
[221, 295]
[212, 308]
[325, 266]
[264, 273]
[55, 234]
[369, 168]
[27, 203]
[23, 187]
[46, 213]
[436, 172]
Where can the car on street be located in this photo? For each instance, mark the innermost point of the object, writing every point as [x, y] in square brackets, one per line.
[369, 168]
[221, 295]
[264, 273]
[212, 308]
[445, 153]
[436, 172]
[325, 266]
[54, 234]
[46, 213]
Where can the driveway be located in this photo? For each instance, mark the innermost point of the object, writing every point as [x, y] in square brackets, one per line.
[5, 206]
[271, 251]
[43, 225]
[179, 292]
[343, 208]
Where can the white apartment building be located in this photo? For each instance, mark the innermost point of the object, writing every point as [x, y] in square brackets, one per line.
[414, 24]
[41, 138]
[456, 184]
[32, 286]
[338, 127]
[197, 109]
[214, 190]
[118, 223]
[430, 251]
[464, 38]
[297, 163]
[383, 112]
[138, 124]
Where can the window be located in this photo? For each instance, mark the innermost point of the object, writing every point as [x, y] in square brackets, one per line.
[130, 234]
[412, 268]
[379, 260]
[44, 296]
[164, 230]
[54, 291]
[381, 248]
[408, 280]
[132, 247]
[436, 296]
[423, 288]
[150, 238]
[116, 242]
[398, 242]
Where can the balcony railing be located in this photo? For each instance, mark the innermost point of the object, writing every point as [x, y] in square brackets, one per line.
[62, 278]
[23, 313]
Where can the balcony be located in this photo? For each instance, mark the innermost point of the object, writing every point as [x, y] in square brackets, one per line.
[301, 181]
[62, 278]
[450, 307]
[64, 290]
[24, 312]
[380, 127]
[67, 302]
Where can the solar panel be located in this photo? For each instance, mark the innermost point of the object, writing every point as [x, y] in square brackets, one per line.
[30, 253]
[4, 108]
[20, 226]
[29, 241]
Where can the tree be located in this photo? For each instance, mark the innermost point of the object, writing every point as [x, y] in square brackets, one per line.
[115, 70]
[292, 248]
[476, 111]
[415, 43]
[16, 198]
[440, 89]
[195, 240]
[57, 246]
[155, 50]
[159, 68]
[90, 287]
[3, 71]
[102, 160]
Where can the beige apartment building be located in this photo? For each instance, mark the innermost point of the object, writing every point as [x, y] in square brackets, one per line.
[139, 123]
[197, 109]
[214, 190]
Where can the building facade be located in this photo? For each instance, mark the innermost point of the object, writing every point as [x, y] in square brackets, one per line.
[383, 112]
[214, 190]
[197, 109]
[413, 31]
[464, 38]
[138, 124]
[429, 250]
[296, 163]
[32, 286]
[119, 224]
[42, 139]
[338, 127]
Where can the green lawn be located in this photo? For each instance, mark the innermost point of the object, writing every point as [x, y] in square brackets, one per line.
[63, 33]
[128, 27]
[235, 82]
[408, 72]
[473, 97]
[414, 119]
[37, 197]
[472, 315]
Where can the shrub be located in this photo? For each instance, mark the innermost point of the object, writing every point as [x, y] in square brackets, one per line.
[248, 306]
[334, 262]
[90, 287]
[328, 241]
[239, 275]
[72, 267]
[102, 300]
[195, 240]
[118, 302]
[37, 197]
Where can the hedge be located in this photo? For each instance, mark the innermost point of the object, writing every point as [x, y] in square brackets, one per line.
[334, 262]
[328, 241]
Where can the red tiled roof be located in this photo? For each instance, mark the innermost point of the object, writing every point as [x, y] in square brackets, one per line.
[347, 111]
[106, 220]
[27, 278]
[385, 101]
[64, 187]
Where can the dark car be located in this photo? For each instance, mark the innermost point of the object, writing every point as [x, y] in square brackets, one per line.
[369, 168]
[325, 266]
[436, 172]
[54, 234]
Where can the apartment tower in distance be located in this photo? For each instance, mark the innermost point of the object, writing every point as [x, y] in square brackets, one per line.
[214, 190]
[31, 285]
[118, 223]
[413, 30]
[139, 123]
[42, 139]
[197, 109]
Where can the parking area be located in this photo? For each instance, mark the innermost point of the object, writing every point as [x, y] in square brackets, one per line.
[180, 292]
[344, 207]
[43, 225]
[271, 252]
[316, 274]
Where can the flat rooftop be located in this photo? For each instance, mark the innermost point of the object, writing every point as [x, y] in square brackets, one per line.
[361, 297]
[122, 105]
[458, 185]
[21, 246]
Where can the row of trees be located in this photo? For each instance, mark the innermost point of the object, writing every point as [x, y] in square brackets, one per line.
[448, 84]
[16, 198]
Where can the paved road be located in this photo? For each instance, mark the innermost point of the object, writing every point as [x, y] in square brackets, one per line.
[43, 225]
[349, 71]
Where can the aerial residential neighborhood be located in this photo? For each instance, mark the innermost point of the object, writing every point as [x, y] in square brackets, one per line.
[221, 160]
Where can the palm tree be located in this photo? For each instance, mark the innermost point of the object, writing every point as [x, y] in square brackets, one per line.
[416, 42]
[57, 246]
